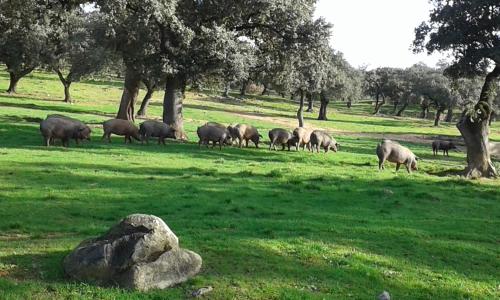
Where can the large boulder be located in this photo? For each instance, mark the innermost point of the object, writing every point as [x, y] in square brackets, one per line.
[141, 252]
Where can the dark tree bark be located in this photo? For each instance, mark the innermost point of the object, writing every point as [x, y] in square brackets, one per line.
[425, 111]
[402, 109]
[264, 92]
[395, 106]
[323, 107]
[172, 105]
[150, 89]
[132, 84]
[437, 119]
[378, 105]
[14, 79]
[66, 82]
[300, 112]
[349, 104]
[474, 130]
[309, 102]
[243, 89]
[449, 115]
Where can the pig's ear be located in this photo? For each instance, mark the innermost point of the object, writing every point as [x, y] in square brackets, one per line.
[81, 128]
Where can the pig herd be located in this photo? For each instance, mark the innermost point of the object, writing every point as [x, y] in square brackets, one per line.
[65, 129]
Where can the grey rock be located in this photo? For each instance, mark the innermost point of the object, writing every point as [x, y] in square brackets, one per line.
[141, 252]
[384, 296]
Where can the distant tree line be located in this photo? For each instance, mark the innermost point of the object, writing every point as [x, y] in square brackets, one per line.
[171, 45]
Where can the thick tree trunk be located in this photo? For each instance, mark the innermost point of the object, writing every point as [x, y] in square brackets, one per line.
[349, 104]
[172, 105]
[310, 102]
[402, 109]
[67, 94]
[323, 107]
[449, 115]
[146, 100]
[126, 110]
[395, 107]
[300, 112]
[475, 129]
[14, 79]
[13, 83]
[439, 111]
[264, 92]
[425, 112]
[243, 90]
[379, 105]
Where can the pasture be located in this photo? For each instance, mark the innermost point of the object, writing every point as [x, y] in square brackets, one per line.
[269, 225]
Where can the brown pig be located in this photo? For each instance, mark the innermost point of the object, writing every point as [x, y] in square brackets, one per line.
[303, 136]
[120, 127]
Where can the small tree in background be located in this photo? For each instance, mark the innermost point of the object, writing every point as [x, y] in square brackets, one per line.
[24, 37]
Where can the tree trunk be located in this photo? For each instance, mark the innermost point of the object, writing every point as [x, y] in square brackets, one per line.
[349, 104]
[13, 83]
[66, 82]
[395, 107]
[131, 88]
[439, 111]
[14, 79]
[264, 92]
[67, 94]
[474, 130]
[172, 105]
[225, 94]
[300, 112]
[425, 112]
[243, 90]
[323, 106]
[145, 102]
[402, 109]
[449, 115]
[379, 105]
[309, 102]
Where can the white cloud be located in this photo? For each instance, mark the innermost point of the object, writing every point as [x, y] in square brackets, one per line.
[377, 32]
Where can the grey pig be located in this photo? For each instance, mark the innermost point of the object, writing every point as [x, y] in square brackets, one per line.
[155, 129]
[60, 128]
[442, 145]
[215, 134]
[120, 127]
[395, 153]
[321, 139]
[279, 136]
[75, 121]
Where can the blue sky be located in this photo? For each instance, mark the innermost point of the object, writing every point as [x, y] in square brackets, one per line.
[376, 32]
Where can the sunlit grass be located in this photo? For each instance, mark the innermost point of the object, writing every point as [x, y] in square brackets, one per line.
[269, 225]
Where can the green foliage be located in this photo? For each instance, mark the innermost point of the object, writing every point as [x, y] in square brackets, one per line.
[469, 29]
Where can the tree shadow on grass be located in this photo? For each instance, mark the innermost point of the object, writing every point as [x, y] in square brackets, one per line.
[63, 109]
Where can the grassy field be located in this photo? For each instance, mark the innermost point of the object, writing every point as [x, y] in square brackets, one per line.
[269, 225]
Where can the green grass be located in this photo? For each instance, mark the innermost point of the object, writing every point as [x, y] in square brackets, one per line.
[269, 225]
